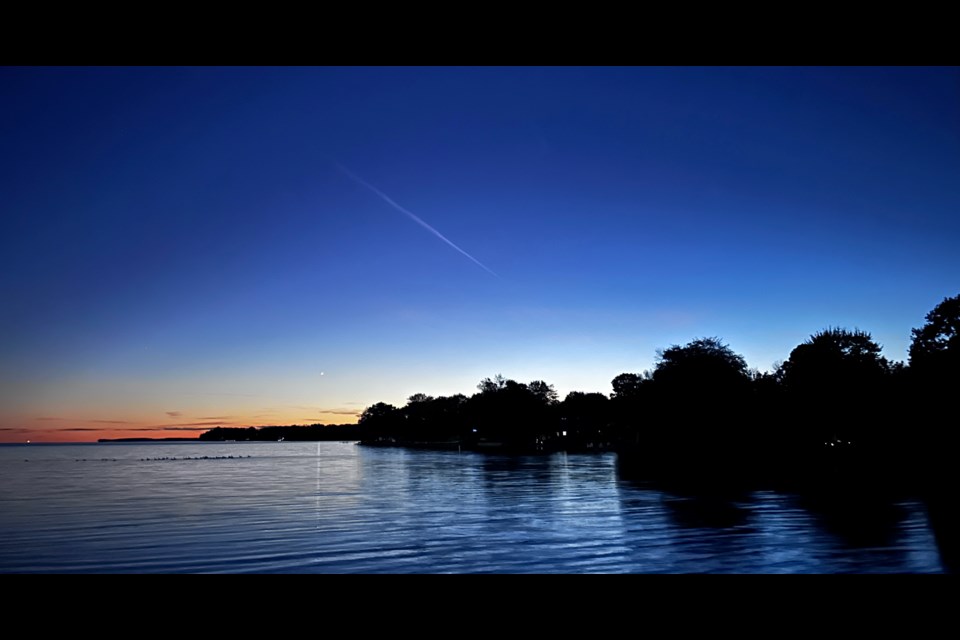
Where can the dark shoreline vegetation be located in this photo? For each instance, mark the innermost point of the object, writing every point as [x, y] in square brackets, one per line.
[834, 411]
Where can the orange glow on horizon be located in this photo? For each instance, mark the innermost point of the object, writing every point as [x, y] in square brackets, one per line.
[45, 429]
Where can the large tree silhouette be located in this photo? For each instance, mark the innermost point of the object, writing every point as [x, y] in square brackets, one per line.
[935, 349]
[836, 405]
[935, 377]
[836, 382]
[585, 418]
[511, 412]
[834, 362]
[703, 365]
[695, 409]
[629, 385]
[380, 421]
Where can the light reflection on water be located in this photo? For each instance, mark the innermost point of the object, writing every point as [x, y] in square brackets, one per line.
[340, 508]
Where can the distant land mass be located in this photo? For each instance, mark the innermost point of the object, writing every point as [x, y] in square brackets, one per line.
[147, 440]
[293, 433]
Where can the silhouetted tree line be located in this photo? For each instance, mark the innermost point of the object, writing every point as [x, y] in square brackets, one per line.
[834, 405]
[835, 408]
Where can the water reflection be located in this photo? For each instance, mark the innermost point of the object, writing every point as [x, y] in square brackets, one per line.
[857, 520]
[707, 511]
[339, 508]
[942, 509]
[839, 528]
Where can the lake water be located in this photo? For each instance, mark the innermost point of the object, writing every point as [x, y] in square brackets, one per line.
[340, 508]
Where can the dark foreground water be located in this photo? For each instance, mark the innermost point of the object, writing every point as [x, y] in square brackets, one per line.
[340, 508]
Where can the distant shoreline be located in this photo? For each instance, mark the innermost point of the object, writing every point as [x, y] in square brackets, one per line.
[148, 440]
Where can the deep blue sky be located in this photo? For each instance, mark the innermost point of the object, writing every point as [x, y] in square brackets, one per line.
[180, 248]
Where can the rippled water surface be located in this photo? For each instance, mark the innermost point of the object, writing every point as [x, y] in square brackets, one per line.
[341, 508]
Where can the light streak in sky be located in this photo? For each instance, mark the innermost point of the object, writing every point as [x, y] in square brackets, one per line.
[412, 216]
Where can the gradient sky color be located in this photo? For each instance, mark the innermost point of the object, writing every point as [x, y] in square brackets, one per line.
[180, 249]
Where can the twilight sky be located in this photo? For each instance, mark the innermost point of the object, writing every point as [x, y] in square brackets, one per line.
[191, 247]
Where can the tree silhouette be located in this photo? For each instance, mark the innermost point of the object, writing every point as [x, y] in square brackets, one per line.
[705, 363]
[585, 418]
[836, 408]
[419, 398]
[416, 417]
[935, 379]
[631, 391]
[377, 411]
[433, 420]
[835, 363]
[694, 411]
[836, 382]
[629, 385]
[544, 392]
[380, 421]
[935, 349]
[488, 385]
[512, 413]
